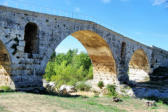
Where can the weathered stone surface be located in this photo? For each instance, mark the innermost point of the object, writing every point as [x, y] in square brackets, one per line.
[67, 88]
[150, 103]
[29, 38]
[49, 86]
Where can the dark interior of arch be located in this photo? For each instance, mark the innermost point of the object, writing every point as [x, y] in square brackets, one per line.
[5, 66]
[104, 66]
[31, 39]
[123, 52]
[139, 67]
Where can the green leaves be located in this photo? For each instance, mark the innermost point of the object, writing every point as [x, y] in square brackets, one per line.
[69, 68]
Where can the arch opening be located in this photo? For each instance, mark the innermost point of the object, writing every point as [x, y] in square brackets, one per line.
[104, 66]
[123, 52]
[31, 38]
[139, 67]
[5, 66]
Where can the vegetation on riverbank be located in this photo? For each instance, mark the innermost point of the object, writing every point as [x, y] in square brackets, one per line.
[69, 68]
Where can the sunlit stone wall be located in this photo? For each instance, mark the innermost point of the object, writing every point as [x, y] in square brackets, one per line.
[139, 67]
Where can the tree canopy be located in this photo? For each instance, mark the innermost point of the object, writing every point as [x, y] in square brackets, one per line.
[69, 68]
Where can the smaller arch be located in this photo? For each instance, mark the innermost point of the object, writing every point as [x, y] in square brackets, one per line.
[123, 49]
[139, 67]
[31, 38]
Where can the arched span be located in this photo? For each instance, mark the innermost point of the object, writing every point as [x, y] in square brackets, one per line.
[5, 66]
[104, 65]
[139, 67]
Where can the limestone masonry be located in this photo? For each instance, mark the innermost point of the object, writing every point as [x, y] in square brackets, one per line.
[27, 40]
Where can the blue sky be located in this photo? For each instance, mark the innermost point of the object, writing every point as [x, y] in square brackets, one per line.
[143, 20]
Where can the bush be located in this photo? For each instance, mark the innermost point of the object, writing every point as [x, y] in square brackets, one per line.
[5, 88]
[111, 90]
[100, 84]
[69, 68]
[83, 87]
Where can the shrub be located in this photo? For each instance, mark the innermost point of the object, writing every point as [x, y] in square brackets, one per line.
[83, 87]
[68, 68]
[100, 84]
[5, 88]
[111, 90]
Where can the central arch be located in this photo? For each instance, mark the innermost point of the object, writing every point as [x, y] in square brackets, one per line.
[99, 51]
[139, 67]
[104, 66]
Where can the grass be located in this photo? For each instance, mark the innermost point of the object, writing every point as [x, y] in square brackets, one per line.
[19, 102]
[83, 104]
[5, 89]
[83, 87]
[2, 109]
[100, 84]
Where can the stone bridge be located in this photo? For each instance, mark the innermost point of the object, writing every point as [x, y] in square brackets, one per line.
[28, 39]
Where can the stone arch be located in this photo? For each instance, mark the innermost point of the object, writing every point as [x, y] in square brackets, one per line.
[104, 64]
[139, 67]
[5, 66]
[31, 38]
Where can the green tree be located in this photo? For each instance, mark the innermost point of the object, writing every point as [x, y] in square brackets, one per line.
[69, 68]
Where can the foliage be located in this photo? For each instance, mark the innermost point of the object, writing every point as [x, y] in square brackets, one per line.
[5, 88]
[111, 90]
[100, 84]
[83, 87]
[69, 68]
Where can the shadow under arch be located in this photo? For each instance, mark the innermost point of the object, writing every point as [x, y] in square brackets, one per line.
[31, 38]
[5, 67]
[139, 67]
[104, 65]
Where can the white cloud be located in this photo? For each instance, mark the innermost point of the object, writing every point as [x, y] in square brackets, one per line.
[77, 9]
[159, 2]
[106, 1]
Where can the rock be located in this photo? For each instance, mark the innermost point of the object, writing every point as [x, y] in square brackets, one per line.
[150, 103]
[45, 83]
[89, 83]
[116, 99]
[67, 88]
[50, 86]
[104, 91]
[63, 92]
[125, 90]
